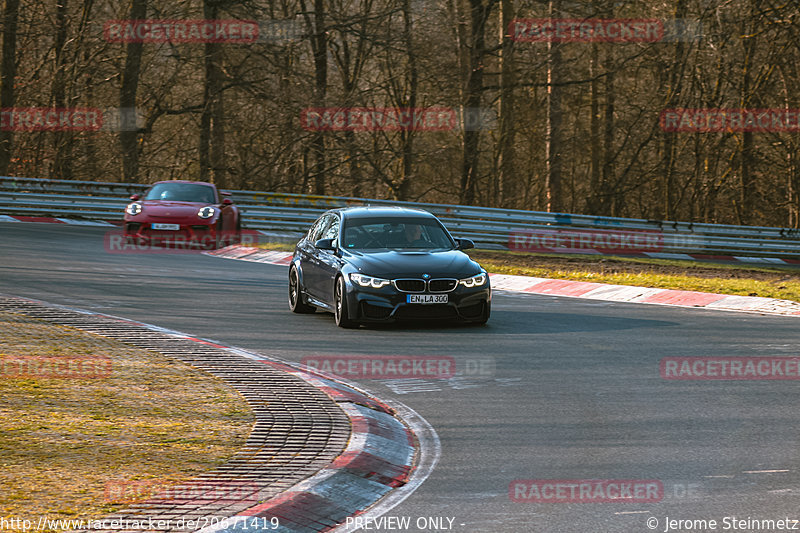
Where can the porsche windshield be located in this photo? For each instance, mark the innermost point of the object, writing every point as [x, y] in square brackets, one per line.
[395, 233]
[182, 192]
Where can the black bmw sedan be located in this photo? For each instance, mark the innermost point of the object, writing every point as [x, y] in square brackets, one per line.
[380, 264]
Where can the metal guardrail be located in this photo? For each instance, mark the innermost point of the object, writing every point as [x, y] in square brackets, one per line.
[488, 227]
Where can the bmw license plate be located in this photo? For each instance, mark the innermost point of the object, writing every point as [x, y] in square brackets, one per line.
[168, 227]
[426, 298]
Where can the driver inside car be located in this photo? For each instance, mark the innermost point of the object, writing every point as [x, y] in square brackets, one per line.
[413, 236]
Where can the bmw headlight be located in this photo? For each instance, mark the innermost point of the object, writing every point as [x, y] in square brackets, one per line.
[368, 281]
[206, 212]
[474, 281]
[133, 209]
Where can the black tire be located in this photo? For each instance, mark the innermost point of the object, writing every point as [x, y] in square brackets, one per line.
[237, 236]
[340, 306]
[219, 238]
[232, 236]
[296, 303]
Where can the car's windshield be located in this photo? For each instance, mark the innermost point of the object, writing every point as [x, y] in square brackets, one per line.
[182, 192]
[394, 233]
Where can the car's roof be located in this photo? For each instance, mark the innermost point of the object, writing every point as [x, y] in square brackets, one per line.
[185, 181]
[382, 211]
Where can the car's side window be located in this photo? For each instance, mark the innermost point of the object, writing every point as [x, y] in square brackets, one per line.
[332, 230]
[316, 230]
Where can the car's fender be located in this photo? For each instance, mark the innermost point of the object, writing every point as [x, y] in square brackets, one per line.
[297, 265]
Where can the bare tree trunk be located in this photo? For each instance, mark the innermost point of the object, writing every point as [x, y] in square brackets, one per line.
[617, 200]
[747, 189]
[403, 189]
[219, 164]
[596, 188]
[90, 148]
[350, 58]
[203, 150]
[555, 133]
[789, 75]
[507, 180]
[213, 166]
[62, 140]
[674, 83]
[8, 71]
[353, 165]
[128, 136]
[319, 43]
[479, 13]
[88, 142]
[793, 186]
[462, 36]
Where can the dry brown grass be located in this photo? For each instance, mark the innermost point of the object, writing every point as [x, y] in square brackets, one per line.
[743, 280]
[65, 440]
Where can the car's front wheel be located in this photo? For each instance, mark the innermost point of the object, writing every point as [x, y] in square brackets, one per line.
[219, 236]
[237, 236]
[231, 236]
[340, 310]
[296, 294]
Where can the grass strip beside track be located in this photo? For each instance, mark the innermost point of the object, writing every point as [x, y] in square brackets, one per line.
[737, 279]
[80, 447]
[742, 280]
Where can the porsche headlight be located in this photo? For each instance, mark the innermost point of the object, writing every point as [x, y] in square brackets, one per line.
[133, 209]
[368, 281]
[474, 281]
[206, 212]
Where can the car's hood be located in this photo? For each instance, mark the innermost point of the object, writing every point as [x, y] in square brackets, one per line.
[169, 209]
[392, 264]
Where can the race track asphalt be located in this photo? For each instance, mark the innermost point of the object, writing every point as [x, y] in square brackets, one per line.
[574, 392]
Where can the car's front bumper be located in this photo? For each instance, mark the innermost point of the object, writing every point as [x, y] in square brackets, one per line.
[190, 235]
[388, 304]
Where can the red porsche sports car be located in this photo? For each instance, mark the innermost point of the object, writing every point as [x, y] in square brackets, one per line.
[183, 213]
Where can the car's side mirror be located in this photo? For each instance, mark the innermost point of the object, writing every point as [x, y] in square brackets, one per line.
[227, 201]
[325, 244]
[465, 244]
[135, 197]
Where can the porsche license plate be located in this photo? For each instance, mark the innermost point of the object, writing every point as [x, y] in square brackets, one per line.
[426, 298]
[167, 227]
